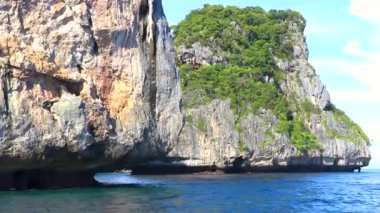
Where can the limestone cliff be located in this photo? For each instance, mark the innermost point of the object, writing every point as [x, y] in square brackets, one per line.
[92, 85]
[86, 84]
[309, 134]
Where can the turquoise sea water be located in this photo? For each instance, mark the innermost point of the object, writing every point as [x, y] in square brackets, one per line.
[317, 192]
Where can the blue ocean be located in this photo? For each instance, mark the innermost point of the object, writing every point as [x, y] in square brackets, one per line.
[307, 192]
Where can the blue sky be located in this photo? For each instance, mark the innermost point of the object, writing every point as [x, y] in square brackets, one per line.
[344, 44]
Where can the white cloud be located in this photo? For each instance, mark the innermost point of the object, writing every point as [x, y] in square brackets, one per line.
[366, 72]
[313, 29]
[373, 130]
[365, 67]
[368, 96]
[375, 153]
[367, 10]
[353, 47]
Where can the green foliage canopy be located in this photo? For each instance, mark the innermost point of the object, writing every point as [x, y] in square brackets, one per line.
[250, 39]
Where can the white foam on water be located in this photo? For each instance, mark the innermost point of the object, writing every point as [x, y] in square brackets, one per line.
[123, 179]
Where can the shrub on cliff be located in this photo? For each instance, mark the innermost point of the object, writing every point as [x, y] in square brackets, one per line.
[250, 39]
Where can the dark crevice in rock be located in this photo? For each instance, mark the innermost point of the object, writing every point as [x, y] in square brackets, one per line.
[329, 106]
[6, 76]
[73, 88]
[80, 68]
[143, 12]
[153, 53]
[148, 31]
[33, 72]
[91, 129]
[111, 122]
[143, 37]
[6, 81]
[144, 9]
[238, 167]
[336, 161]
[119, 4]
[321, 158]
[153, 87]
[89, 29]
[66, 20]
[49, 103]
[289, 116]
[45, 179]
[20, 15]
[6, 98]
[95, 47]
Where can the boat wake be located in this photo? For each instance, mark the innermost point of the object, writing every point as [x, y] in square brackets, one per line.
[119, 178]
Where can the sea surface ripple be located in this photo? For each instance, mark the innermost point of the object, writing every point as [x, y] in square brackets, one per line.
[307, 192]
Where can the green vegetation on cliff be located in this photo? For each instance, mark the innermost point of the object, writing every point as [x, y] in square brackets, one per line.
[249, 39]
[355, 128]
[249, 36]
[242, 85]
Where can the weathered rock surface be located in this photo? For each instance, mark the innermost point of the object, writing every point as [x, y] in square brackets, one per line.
[89, 86]
[86, 85]
[198, 55]
[212, 136]
[302, 79]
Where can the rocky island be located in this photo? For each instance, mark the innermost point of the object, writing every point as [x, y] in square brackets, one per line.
[94, 86]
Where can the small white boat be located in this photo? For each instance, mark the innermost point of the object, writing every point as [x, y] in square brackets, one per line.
[122, 178]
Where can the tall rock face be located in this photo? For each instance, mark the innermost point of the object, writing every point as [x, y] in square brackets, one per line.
[92, 85]
[86, 84]
[287, 122]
